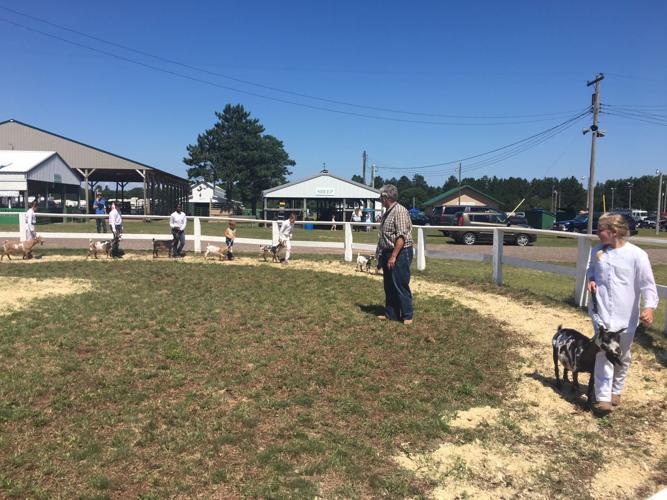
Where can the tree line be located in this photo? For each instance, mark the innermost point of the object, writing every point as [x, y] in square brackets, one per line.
[538, 193]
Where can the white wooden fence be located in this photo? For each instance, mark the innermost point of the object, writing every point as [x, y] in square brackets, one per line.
[497, 258]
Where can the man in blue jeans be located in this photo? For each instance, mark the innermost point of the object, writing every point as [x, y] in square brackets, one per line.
[394, 252]
[100, 206]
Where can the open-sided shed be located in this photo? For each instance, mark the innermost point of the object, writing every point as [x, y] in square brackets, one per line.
[162, 190]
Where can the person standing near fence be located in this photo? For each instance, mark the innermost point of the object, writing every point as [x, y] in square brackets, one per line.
[230, 236]
[285, 236]
[394, 253]
[620, 275]
[116, 225]
[356, 217]
[100, 206]
[30, 220]
[177, 223]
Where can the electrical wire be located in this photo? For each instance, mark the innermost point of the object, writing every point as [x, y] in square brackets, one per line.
[498, 158]
[634, 111]
[517, 144]
[544, 116]
[636, 118]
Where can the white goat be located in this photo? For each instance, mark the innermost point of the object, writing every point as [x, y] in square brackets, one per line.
[214, 250]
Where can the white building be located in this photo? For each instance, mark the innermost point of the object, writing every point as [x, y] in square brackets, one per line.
[207, 200]
[320, 197]
[26, 175]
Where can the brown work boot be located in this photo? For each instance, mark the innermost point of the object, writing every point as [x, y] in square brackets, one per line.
[615, 399]
[602, 408]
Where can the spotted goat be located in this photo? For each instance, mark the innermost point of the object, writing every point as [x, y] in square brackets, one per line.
[577, 353]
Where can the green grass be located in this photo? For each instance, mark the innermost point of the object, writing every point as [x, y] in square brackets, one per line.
[243, 381]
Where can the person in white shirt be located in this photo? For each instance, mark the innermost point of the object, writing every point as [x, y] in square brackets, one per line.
[356, 217]
[285, 235]
[177, 223]
[620, 274]
[116, 225]
[30, 220]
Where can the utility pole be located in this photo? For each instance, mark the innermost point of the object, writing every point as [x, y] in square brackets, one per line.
[372, 184]
[364, 156]
[595, 133]
[459, 183]
[657, 216]
[630, 195]
[612, 199]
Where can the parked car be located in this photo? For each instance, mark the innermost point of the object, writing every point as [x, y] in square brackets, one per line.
[446, 215]
[479, 228]
[580, 224]
[649, 223]
[419, 219]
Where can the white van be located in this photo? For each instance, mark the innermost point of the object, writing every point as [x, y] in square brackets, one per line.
[639, 215]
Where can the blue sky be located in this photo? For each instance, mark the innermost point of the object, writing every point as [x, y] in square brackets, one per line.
[497, 62]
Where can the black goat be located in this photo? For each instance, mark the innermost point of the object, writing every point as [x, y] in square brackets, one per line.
[577, 353]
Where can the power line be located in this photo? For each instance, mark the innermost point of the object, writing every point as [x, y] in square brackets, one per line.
[636, 118]
[557, 128]
[498, 158]
[544, 116]
[635, 112]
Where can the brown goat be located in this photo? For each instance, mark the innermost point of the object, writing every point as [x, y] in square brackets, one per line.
[24, 248]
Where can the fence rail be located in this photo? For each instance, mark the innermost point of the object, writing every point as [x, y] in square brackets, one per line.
[348, 245]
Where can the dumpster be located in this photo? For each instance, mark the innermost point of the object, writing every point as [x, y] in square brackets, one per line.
[540, 218]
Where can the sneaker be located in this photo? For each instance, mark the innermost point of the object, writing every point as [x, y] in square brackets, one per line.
[382, 317]
[615, 399]
[407, 321]
[602, 408]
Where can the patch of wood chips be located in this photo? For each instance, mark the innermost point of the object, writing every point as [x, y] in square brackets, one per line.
[16, 293]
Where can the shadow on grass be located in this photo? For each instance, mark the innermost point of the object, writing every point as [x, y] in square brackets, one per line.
[566, 392]
[371, 309]
[650, 342]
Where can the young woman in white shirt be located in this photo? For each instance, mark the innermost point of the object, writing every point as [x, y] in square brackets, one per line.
[620, 274]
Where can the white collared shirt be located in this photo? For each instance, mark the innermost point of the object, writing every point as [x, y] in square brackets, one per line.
[622, 275]
[115, 219]
[285, 230]
[30, 219]
[178, 221]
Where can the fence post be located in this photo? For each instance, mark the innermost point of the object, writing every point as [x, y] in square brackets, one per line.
[421, 250]
[197, 235]
[21, 217]
[583, 254]
[348, 241]
[498, 237]
[274, 233]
